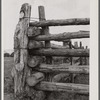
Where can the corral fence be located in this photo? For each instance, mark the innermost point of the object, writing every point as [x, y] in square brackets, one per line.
[35, 79]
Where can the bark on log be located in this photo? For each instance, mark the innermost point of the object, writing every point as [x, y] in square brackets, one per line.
[37, 44]
[21, 71]
[34, 61]
[61, 52]
[34, 31]
[81, 63]
[55, 46]
[62, 78]
[63, 36]
[67, 87]
[34, 79]
[45, 31]
[74, 21]
[64, 68]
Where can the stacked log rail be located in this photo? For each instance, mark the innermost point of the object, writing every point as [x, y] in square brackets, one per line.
[32, 41]
[40, 50]
[62, 68]
[65, 22]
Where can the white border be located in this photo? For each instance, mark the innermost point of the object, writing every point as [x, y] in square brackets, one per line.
[93, 51]
[2, 54]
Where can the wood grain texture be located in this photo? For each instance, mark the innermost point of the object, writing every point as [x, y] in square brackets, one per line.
[45, 31]
[20, 50]
[74, 21]
[68, 87]
[64, 68]
[63, 36]
[61, 52]
[35, 78]
[34, 61]
[34, 31]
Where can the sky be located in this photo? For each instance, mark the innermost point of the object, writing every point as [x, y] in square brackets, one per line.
[54, 9]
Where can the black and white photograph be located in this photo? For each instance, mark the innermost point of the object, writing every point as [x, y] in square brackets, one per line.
[49, 50]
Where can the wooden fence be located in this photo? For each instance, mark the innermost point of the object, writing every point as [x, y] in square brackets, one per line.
[32, 42]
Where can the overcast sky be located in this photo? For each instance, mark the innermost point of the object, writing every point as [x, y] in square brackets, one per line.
[54, 9]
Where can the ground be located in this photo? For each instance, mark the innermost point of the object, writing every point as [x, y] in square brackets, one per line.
[8, 84]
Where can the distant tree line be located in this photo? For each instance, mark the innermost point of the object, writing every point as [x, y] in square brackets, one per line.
[9, 55]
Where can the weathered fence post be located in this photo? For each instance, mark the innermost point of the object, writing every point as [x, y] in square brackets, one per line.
[65, 44]
[28, 52]
[86, 58]
[70, 46]
[45, 31]
[81, 57]
[21, 70]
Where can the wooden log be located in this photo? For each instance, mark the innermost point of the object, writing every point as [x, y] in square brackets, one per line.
[37, 44]
[34, 31]
[66, 43]
[65, 87]
[64, 68]
[71, 60]
[74, 21]
[61, 52]
[21, 70]
[86, 59]
[45, 31]
[70, 46]
[86, 47]
[55, 46]
[34, 79]
[62, 78]
[63, 36]
[81, 57]
[34, 61]
[76, 45]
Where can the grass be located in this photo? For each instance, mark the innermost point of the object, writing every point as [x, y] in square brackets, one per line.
[8, 83]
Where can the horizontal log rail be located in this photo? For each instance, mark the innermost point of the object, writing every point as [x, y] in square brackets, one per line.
[74, 21]
[61, 52]
[64, 68]
[63, 36]
[65, 87]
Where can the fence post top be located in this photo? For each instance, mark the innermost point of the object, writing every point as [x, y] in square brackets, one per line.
[25, 10]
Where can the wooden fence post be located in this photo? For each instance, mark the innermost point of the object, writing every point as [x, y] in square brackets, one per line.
[21, 70]
[70, 46]
[45, 31]
[27, 71]
[81, 57]
[65, 44]
[86, 58]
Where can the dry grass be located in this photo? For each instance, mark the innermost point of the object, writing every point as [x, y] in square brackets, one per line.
[8, 84]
